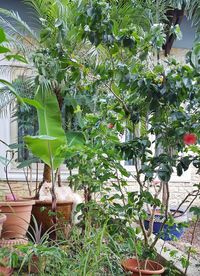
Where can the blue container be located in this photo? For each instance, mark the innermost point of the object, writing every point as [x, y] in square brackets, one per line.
[168, 232]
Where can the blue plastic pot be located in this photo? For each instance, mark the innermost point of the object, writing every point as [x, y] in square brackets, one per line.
[168, 232]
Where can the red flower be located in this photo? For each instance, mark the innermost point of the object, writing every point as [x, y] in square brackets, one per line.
[189, 138]
[110, 125]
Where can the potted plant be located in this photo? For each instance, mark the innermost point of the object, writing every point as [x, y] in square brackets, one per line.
[51, 146]
[143, 268]
[17, 210]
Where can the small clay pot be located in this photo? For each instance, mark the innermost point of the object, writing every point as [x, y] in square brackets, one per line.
[151, 267]
[18, 215]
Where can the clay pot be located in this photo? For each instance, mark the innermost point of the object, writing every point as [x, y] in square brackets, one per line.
[2, 219]
[6, 271]
[42, 209]
[152, 268]
[18, 215]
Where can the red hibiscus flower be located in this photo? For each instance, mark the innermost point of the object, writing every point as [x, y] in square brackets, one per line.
[110, 125]
[189, 138]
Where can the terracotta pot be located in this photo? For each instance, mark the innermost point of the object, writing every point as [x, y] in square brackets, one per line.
[42, 209]
[18, 215]
[152, 268]
[2, 219]
[6, 271]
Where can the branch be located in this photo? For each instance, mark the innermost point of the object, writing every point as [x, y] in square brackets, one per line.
[166, 217]
[127, 111]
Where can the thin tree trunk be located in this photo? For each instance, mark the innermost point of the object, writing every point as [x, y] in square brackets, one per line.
[47, 173]
[46, 178]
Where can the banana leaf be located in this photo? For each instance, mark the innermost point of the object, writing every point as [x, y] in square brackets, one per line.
[51, 134]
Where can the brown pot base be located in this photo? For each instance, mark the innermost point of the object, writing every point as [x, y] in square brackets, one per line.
[42, 213]
[12, 242]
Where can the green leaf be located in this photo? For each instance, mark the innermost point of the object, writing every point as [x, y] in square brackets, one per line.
[17, 57]
[27, 163]
[3, 50]
[49, 116]
[51, 134]
[195, 210]
[45, 147]
[75, 138]
[2, 35]
[12, 89]
[33, 103]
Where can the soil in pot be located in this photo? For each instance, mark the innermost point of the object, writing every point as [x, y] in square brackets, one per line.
[169, 232]
[146, 268]
[43, 215]
[18, 215]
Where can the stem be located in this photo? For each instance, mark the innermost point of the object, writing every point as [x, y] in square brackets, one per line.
[151, 220]
[120, 189]
[59, 178]
[166, 217]
[143, 231]
[26, 177]
[191, 242]
[53, 193]
[6, 172]
[127, 111]
[36, 180]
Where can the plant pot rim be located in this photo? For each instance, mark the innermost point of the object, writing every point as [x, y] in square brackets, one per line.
[131, 264]
[179, 213]
[17, 203]
[49, 202]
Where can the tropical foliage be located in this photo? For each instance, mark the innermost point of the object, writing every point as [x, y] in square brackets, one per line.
[98, 75]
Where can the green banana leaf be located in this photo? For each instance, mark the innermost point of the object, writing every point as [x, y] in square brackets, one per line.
[51, 134]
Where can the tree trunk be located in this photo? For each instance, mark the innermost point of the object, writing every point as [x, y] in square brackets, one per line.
[46, 173]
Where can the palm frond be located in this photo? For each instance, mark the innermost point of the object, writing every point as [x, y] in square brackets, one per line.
[44, 9]
[6, 100]
[16, 24]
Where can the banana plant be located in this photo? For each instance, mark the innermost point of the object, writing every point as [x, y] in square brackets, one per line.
[52, 139]
[51, 134]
